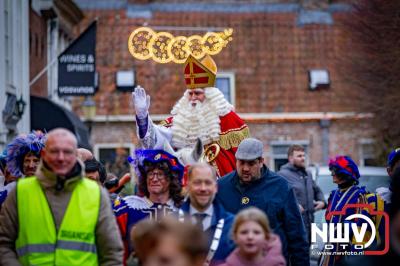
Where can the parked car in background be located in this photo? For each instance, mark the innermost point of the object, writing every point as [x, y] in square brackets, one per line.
[371, 177]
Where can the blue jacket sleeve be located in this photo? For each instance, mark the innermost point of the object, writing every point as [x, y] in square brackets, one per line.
[298, 247]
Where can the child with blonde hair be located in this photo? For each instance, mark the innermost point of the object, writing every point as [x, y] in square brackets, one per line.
[256, 244]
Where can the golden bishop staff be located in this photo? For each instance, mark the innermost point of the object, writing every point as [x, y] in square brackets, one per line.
[163, 47]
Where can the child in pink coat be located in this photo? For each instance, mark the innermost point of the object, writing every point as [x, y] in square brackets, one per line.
[256, 244]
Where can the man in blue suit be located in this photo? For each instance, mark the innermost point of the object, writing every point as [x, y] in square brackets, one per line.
[205, 211]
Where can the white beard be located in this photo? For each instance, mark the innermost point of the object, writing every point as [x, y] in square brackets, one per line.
[199, 121]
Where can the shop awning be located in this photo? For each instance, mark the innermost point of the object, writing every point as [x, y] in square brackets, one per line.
[46, 115]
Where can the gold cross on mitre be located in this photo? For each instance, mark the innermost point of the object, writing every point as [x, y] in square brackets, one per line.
[200, 73]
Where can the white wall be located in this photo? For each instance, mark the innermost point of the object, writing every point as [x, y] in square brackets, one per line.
[14, 60]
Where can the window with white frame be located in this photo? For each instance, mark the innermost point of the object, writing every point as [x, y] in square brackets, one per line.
[279, 149]
[225, 82]
[114, 156]
[367, 153]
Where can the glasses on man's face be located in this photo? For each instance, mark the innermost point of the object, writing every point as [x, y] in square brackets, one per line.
[153, 174]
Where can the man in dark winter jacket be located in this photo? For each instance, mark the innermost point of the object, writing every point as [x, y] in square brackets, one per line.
[208, 213]
[253, 184]
[308, 194]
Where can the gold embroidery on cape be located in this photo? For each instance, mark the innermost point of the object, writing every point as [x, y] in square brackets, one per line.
[232, 138]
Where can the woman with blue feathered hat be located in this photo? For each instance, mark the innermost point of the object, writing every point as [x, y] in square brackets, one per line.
[159, 175]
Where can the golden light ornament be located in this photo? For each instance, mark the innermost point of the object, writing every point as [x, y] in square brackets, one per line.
[228, 32]
[144, 43]
[195, 45]
[138, 43]
[158, 47]
[212, 43]
[226, 35]
[178, 49]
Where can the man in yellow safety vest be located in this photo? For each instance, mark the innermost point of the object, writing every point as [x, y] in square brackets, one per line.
[58, 217]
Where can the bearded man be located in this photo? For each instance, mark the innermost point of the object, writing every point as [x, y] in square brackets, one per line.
[202, 113]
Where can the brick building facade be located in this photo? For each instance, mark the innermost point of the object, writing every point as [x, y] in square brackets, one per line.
[37, 52]
[275, 46]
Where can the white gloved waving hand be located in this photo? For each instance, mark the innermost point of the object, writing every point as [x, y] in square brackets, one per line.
[141, 102]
